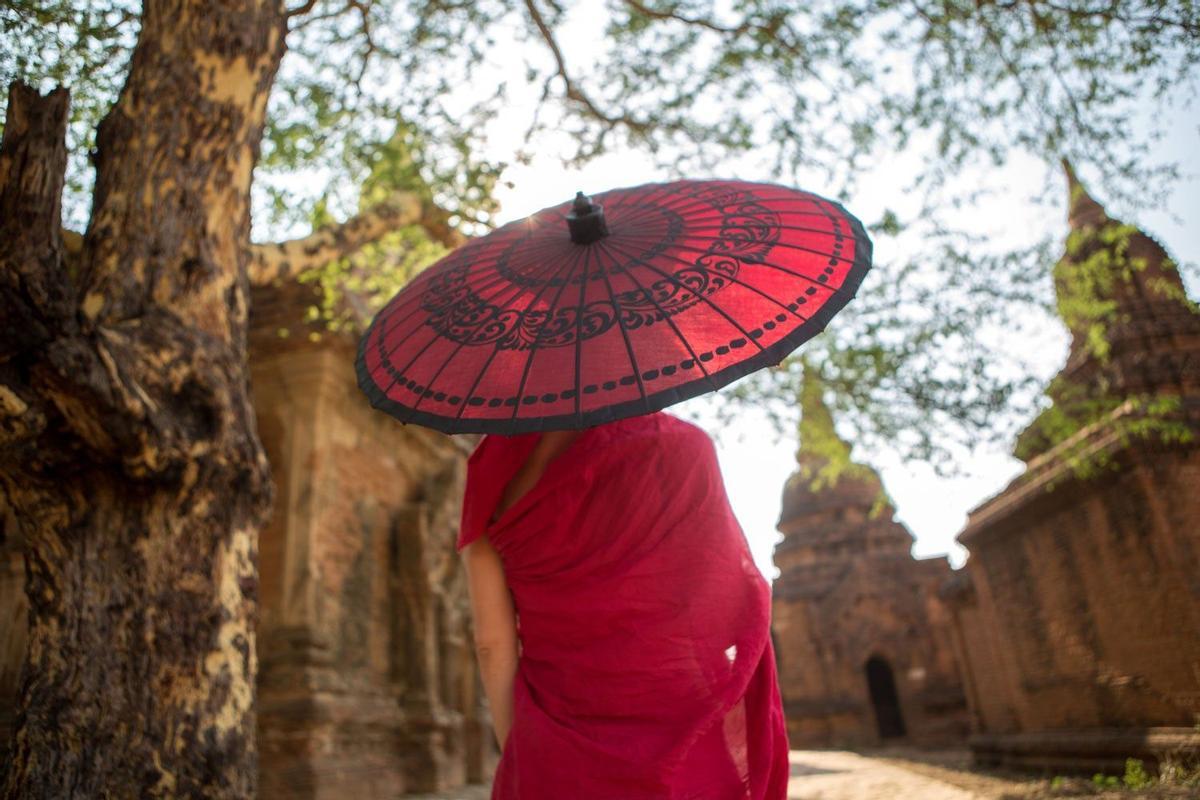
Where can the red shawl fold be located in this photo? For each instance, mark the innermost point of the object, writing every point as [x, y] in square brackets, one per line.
[646, 666]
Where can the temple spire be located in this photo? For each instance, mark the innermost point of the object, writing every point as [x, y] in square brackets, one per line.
[1134, 332]
[1111, 274]
[831, 501]
[820, 443]
[1082, 209]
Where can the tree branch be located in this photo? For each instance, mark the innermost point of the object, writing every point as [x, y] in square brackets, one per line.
[301, 9]
[282, 260]
[702, 22]
[34, 290]
[369, 47]
[436, 222]
[35, 294]
[571, 89]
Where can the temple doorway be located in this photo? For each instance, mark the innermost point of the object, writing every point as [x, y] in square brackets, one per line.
[882, 687]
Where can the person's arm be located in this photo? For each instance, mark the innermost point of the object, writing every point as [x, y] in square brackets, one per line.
[495, 625]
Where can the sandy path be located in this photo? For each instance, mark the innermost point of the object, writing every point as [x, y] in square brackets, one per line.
[475, 792]
[838, 775]
[822, 775]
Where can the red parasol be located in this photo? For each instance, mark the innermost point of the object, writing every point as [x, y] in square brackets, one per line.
[607, 308]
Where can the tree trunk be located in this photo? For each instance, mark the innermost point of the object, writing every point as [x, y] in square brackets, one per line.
[128, 448]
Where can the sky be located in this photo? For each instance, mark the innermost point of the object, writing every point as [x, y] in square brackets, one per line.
[755, 460]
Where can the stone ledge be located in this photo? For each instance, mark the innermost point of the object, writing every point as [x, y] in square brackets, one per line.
[1054, 469]
[1083, 751]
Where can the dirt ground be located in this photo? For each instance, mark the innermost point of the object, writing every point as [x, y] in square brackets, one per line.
[912, 768]
[910, 774]
[469, 793]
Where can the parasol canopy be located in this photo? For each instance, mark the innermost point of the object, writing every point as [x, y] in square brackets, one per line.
[604, 308]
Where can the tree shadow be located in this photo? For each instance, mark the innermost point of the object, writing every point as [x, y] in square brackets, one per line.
[801, 769]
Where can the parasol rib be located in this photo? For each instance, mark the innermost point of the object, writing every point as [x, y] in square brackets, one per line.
[755, 289]
[698, 296]
[477, 288]
[475, 384]
[670, 322]
[785, 245]
[414, 298]
[637, 372]
[764, 263]
[463, 341]
[578, 340]
[685, 203]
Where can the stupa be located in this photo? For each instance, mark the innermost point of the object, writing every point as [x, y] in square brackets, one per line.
[860, 633]
[1077, 626]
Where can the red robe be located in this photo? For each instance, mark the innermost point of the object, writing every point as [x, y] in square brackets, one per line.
[646, 666]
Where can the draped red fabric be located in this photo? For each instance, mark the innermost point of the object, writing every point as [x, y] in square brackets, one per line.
[646, 666]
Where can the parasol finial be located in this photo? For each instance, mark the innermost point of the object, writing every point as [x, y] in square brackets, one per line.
[586, 220]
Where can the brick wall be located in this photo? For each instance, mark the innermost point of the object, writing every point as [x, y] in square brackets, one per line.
[1085, 609]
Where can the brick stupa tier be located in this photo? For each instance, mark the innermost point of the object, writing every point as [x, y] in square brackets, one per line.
[1134, 334]
[1076, 632]
[860, 633]
[1153, 334]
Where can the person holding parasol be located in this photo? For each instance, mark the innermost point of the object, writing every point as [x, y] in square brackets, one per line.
[621, 626]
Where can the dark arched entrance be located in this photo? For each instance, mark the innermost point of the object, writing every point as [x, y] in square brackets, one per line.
[884, 699]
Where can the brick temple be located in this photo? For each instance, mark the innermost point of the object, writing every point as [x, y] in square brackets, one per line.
[860, 630]
[367, 677]
[1074, 629]
[1077, 621]
[367, 681]
[1070, 641]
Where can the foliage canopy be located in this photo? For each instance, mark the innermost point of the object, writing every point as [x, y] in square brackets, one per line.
[376, 96]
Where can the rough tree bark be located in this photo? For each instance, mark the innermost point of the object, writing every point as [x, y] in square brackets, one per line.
[128, 447]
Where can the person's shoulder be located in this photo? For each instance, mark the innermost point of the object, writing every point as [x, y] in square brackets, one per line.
[674, 424]
[668, 430]
[496, 443]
